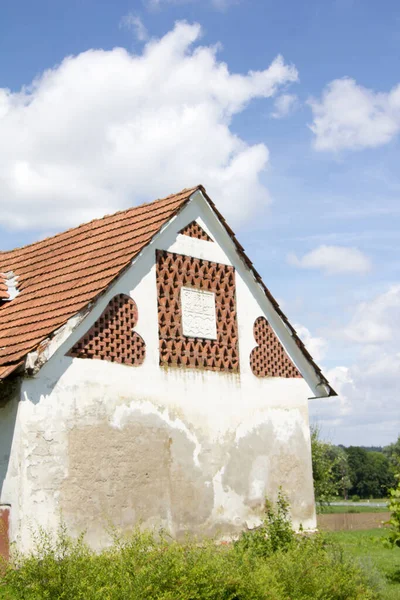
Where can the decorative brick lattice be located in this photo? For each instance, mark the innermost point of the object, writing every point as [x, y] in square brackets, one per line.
[112, 337]
[177, 350]
[269, 358]
[194, 230]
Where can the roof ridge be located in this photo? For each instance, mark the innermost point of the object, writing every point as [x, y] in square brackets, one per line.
[98, 219]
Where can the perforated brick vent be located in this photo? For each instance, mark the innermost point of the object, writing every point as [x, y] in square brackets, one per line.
[269, 358]
[194, 230]
[111, 337]
[177, 350]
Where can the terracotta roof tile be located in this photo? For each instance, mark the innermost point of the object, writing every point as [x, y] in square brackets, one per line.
[8, 369]
[61, 275]
[4, 295]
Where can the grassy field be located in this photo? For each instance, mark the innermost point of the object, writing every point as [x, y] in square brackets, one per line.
[351, 502]
[367, 547]
[350, 508]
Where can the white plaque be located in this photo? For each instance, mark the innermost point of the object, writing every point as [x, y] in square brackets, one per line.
[198, 313]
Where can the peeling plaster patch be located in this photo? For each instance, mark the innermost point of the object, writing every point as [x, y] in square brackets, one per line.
[285, 422]
[288, 465]
[36, 359]
[258, 478]
[142, 473]
[228, 505]
[125, 414]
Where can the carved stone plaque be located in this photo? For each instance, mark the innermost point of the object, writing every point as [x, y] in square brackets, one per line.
[198, 314]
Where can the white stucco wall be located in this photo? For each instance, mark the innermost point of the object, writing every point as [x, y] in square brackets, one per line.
[186, 449]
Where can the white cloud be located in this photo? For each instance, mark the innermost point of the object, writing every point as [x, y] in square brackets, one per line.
[224, 4]
[135, 23]
[354, 117]
[377, 321]
[367, 409]
[284, 106]
[217, 4]
[333, 260]
[107, 129]
[316, 346]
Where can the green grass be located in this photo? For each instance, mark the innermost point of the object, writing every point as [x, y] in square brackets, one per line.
[372, 500]
[351, 508]
[351, 503]
[368, 549]
[6, 595]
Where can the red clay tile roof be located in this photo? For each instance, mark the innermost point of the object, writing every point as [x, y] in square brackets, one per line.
[61, 275]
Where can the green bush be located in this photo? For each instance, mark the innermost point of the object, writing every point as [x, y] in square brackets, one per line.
[275, 533]
[270, 563]
[394, 521]
[355, 498]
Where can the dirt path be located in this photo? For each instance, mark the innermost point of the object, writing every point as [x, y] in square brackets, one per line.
[349, 521]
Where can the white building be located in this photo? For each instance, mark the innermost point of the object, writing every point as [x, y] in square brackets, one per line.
[148, 375]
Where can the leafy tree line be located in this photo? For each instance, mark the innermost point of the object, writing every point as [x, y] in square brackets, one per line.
[353, 471]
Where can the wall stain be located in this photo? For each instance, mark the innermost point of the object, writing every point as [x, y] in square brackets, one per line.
[143, 473]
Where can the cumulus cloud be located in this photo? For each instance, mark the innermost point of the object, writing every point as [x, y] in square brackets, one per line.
[333, 260]
[284, 105]
[350, 116]
[377, 321]
[135, 23]
[107, 129]
[367, 409]
[315, 345]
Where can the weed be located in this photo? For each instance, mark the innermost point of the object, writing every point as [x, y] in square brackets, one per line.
[270, 563]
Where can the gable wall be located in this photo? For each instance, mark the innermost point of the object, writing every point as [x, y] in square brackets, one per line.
[184, 448]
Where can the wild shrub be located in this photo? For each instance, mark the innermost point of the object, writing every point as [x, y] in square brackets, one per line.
[271, 563]
[394, 521]
[275, 533]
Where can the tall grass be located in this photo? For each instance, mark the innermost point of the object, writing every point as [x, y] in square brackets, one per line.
[271, 563]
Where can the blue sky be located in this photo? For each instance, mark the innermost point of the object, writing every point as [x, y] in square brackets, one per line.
[302, 157]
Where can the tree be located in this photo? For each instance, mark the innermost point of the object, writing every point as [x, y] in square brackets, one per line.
[394, 521]
[370, 473]
[341, 471]
[324, 482]
[393, 454]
